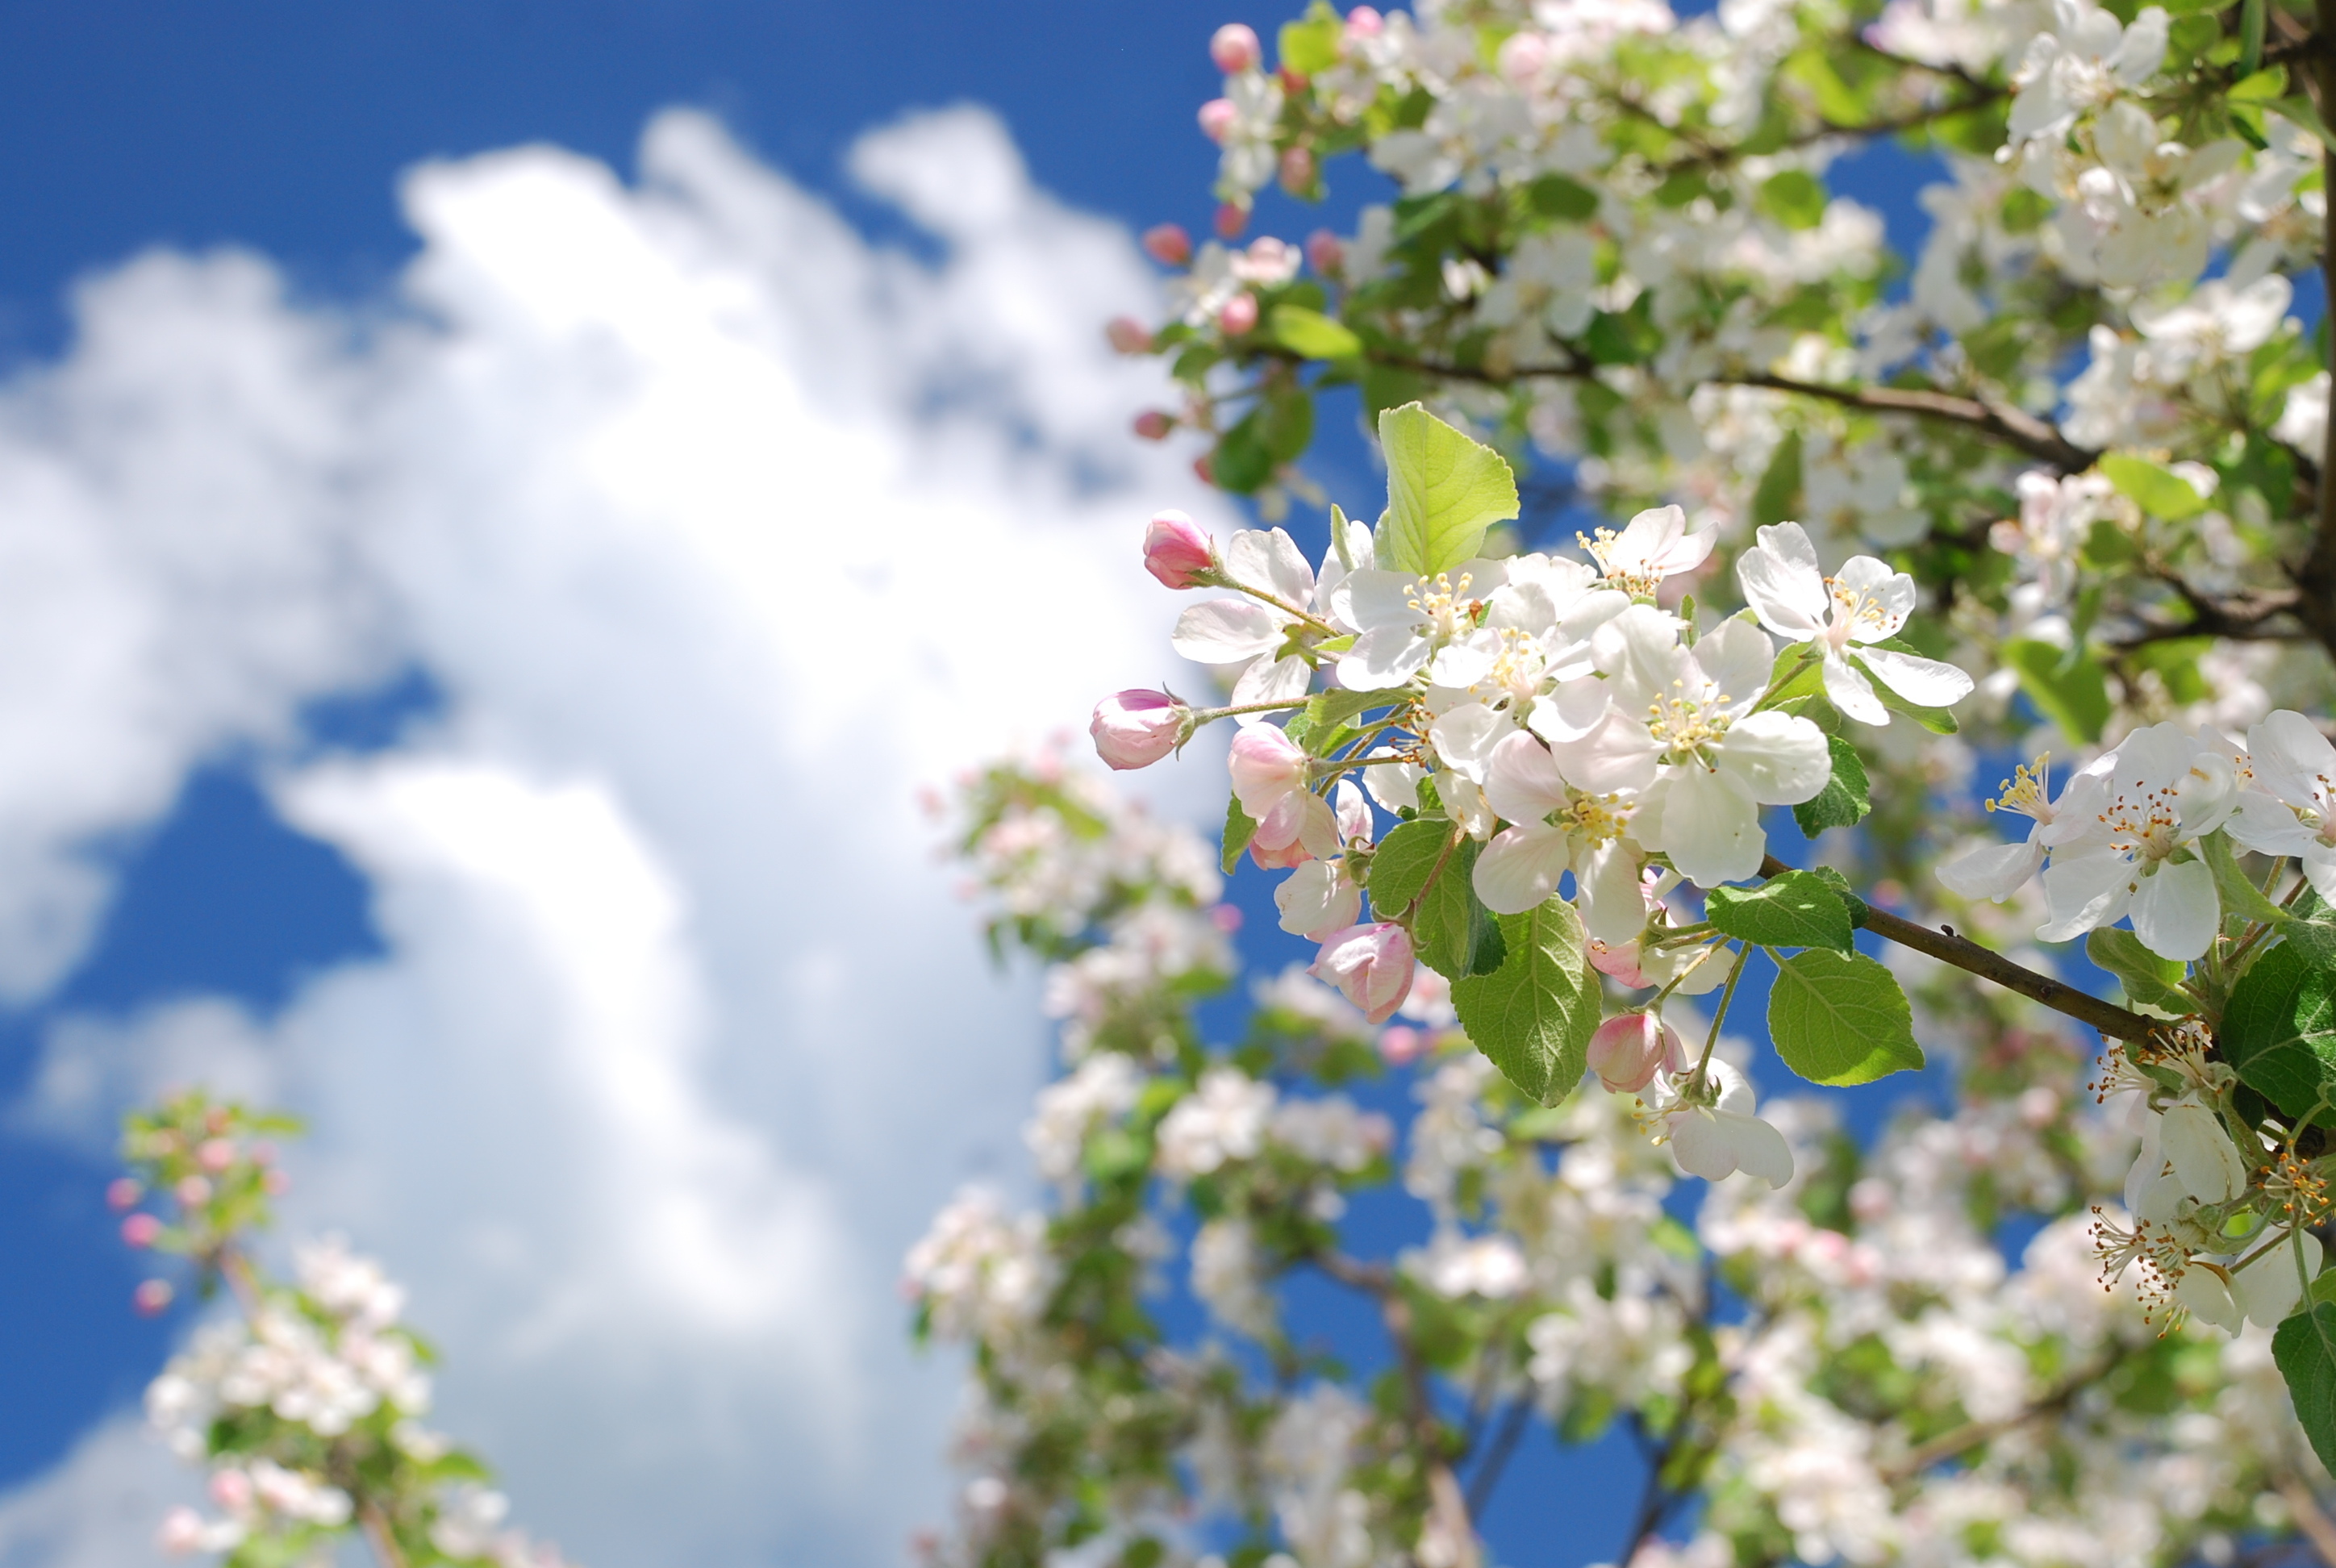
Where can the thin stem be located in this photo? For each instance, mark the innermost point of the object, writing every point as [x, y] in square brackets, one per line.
[1210, 715]
[1283, 604]
[1719, 1016]
[1971, 1434]
[380, 1537]
[1496, 1454]
[2309, 1519]
[1969, 956]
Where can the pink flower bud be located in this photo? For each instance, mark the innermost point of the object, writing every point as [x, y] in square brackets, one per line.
[1154, 425]
[1226, 918]
[1294, 82]
[151, 1295]
[1522, 56]
[1217, 117]
[1364, 22]
[1234, 49]
[182, 1534]
[231, 1490]
[1204, 469]
[1297, 170]
[1231, 218]
[1400, 1042]
[1168, 244]
[192, 1191]
[1128, 336]
[1620, 959]
[1176, 550]
[1239, 314]
[1627, 1051]
[1267, 768]
[123, 1192]
[1372, 967]
[1326, 252]
[141, 1229]
[215, 1155]
[1137, 729]
[1279, 857]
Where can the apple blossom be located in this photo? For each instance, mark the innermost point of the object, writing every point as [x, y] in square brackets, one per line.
[1628, 1049]
[1168, 244]
[1217, 117]
[1842, 615]
[1177, 551]
[1371, 965]
[2288, 805]
[1137, 729]
[2121, 843]
[1234, 48]
[1706, 1118]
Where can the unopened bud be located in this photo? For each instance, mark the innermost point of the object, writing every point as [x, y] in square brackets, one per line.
[141, 1229]
[1154, 425]
[1400, 1042]
[1522, 56]
[1128, 335]
[182, 1534]
[1206, 469]
[1326, 252]
[231, 1490]
[1626, 1052]
[1217, 117]
[1137, 729]
[123, 1192]
[1168, 244]
[1370, 965]
[1176, 550]
[1234, 49]
[1239, 314]
[1297, 170]
[1231, 218]
[215, 1155]
[1294, 82]
[193, 1192]
[151, 1297]
[1365, 22]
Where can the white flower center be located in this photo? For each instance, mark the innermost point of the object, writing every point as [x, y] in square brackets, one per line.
[1687, 727]
[1854, 609]
[1444, 606]
[2027, 791]
[2145, 822]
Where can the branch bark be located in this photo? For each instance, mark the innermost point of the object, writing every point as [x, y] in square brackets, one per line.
[1989, 965]
[1447, 1504]
[2309, 1518]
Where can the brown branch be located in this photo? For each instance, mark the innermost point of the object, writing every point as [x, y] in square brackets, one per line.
[380, 1537]
[1447, 1504]
[1983, 95]
[1989, 965]
[2315, 578]
[1973, 1433]
[2309, 1518]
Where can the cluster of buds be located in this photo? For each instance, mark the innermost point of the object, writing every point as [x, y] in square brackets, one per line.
[214, 1166]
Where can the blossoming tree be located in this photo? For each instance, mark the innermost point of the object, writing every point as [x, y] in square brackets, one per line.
[2067, 489]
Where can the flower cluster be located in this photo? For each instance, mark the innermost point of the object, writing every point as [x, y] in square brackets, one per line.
[1842, 1362]
[307, 1406]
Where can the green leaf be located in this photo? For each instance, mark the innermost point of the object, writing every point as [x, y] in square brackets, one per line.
[1312, 45]
[2159, 491]
[1239, 831]
[1241, 461]
[2239, 893]
[1334, 707]
[2304, 1347]
[1406, 857]
[1778, 496]
[2071, 691]
[1555, 196]
[1839, 1019]
[1534, 1015]
[1846, 797]
[1312, 335]
[1444, 489]
[1795, 198]
[1794, 910]
[2279, 1031]
[1452, 930]
[2148, 979]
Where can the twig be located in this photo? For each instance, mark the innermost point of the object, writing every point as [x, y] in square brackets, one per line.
[1497, 1454]
[2309, 1518]
[380, 1537]
[1989, 965]
[1971, 1434]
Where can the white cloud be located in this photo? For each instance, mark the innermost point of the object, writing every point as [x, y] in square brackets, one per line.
[99, 1507]
[723, 532]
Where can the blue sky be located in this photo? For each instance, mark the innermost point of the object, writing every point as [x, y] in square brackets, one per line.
[284, 129]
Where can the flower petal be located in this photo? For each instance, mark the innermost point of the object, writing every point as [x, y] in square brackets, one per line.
[1519, 869]
[1924, 682]
[1851, 692]
[1225, 631]
[1383, 657]
[1783, 582]
[1270, 680]
[1271, 560]
[1521, 778]
[1710, 826]
[1618, 754]
[1994, 872]
[2084, 890]
[2175, 911]
[1781, 759]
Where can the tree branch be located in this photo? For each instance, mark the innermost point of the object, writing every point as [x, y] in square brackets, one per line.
[1989, 965]
[1497, 1454]
[2309, 1518]
[1447, 1504]
[1973, 1433]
